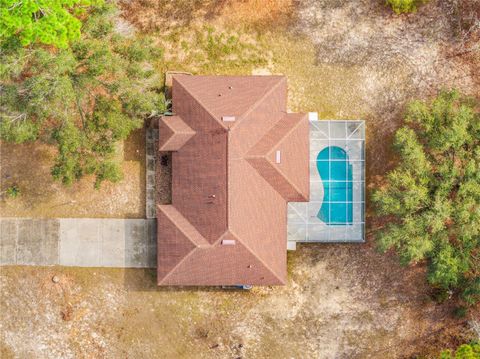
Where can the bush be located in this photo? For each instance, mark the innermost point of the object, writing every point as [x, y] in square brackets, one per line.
[12, 191]
[465, 351]
[404, 6]
[84, 99]
[432, 197]
[50, 22]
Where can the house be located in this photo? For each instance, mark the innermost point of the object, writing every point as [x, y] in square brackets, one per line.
[238, 158]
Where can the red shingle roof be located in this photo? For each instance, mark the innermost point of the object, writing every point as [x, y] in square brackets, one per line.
[174, 133]
[239, 158]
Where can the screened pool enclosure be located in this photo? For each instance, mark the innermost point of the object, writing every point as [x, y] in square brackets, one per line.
[336, 210]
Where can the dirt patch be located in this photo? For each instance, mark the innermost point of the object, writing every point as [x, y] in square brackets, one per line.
[340, 302]
[397, 58]
[153, 15]
[29, 166]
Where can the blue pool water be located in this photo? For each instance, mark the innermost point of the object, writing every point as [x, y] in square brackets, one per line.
[335, 170]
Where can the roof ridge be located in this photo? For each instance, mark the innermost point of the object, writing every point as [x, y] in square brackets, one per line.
[257, 257]
[262, 139]
[187, 130]
[260, 100]
[296, 124]
[200, 102]
[216, 242]
[180, 133]
[277, 170]
[177, 265]
[264, 156]
[198, 240]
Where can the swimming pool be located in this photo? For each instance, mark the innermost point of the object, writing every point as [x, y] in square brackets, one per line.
[336, 207]
[335, 170]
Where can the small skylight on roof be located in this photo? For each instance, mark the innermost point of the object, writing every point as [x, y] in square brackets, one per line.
[228, 118]
[277, 156]
[228, 242]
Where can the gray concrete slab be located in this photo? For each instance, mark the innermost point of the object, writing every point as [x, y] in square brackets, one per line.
[135, 244]
[82, 242]
[112, 243]
[37, 242]
[8, 239]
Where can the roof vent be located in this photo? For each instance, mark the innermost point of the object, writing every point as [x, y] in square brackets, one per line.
[228, 118]
[228, 242]
[277, 156]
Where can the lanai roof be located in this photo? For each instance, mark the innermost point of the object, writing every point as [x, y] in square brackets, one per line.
[238, 158]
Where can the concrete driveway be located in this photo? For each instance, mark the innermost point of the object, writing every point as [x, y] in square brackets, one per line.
[81, 242]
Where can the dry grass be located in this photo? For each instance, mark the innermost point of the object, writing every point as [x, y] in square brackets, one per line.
[154, 15]
[29, 165]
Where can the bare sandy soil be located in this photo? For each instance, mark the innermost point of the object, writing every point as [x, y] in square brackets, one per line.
[336, 305]
[29, 165]
[344, 59]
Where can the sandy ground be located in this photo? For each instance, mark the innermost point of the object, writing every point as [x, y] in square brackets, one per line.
[336, 305]
[344, 59]
[29, 165]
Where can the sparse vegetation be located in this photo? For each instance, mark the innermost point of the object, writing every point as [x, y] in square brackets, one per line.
[404, 6]
[50, 22]
[207, 49]
[83, 99]
[433, 195]
[13, 191]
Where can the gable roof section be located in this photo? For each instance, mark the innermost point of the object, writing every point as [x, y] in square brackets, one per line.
[173, 247]
[278, 158]
[173, 132]
[227, 221]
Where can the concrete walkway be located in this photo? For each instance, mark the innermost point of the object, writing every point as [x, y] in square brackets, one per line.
[82, 242]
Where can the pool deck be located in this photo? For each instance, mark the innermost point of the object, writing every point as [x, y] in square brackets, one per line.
[304, 225]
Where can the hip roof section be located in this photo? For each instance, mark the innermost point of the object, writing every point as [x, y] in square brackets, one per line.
[245, 157]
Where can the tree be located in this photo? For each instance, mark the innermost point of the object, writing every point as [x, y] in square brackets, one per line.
[51, 22]
[432, 197]
[84, 99]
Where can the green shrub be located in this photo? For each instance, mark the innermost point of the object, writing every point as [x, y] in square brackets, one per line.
[465, 351]
[432, 197]
[13, 191]
[50, 22]
[84, 99]
[404, 6]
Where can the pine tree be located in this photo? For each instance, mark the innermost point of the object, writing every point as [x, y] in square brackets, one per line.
[50, 22]
[432, 197]
[84, 99]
